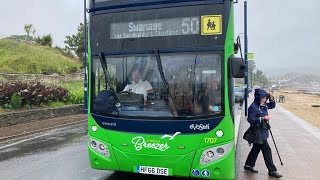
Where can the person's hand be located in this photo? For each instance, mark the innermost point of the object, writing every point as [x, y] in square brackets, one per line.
[271, 98]
[266, 118]
[211, 108]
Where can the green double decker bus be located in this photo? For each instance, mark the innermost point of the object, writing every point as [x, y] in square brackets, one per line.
[161, 76]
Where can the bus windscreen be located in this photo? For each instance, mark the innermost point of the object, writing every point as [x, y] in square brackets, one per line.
[180, 84]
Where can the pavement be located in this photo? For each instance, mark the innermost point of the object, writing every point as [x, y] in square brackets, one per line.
[19, 130]
[298, 143]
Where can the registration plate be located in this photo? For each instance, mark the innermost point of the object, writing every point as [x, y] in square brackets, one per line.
[153, 170]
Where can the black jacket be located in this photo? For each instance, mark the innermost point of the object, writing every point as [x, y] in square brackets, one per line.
[256, 112]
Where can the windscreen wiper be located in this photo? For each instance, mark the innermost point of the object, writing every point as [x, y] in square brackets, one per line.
[156, 52]
[105, 72]
[194, 82]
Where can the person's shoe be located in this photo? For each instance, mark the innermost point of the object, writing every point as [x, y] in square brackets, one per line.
[251, 169]
[275, 174]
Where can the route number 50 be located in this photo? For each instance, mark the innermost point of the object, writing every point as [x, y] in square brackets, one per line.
[190, 25]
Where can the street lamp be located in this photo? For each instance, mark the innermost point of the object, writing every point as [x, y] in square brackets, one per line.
[246, 57]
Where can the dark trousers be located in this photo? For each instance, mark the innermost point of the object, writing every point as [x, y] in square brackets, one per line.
[267, 155]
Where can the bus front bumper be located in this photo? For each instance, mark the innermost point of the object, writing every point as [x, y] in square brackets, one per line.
[193, 164]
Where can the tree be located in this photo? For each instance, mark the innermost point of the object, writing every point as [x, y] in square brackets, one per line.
[29, 28]
[75, 43]
[261, 79]
[45, 40]
[33, 32]
[251, 69]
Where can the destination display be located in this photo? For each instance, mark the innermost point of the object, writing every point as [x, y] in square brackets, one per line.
[171, 27]
[155, 28]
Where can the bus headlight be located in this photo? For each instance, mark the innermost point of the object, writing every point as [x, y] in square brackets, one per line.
[208, 156]
[220, 151]
[93, 144]
[101, 148]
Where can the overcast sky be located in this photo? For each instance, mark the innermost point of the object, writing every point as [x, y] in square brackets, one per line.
[56, 17]
[283, 34]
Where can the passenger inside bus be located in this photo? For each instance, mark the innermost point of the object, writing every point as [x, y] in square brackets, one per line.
[213, 90]
[138, 86]
[202, 101]
[180, 91]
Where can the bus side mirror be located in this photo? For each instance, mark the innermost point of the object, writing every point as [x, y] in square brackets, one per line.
[236, 48]
[237, 67]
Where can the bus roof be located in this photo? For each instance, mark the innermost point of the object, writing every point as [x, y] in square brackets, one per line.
[96, 5]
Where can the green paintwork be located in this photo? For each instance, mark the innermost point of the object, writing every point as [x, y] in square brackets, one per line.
[125, 156]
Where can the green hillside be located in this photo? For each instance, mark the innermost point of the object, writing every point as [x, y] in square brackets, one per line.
[31, 59]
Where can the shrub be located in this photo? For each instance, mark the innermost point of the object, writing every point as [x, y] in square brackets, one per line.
[45, 40]
[7, 106]
[15, 101]
[1, 110]
[31, 93]
[76, 97]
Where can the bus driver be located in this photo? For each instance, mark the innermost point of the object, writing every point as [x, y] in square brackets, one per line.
[138, 86]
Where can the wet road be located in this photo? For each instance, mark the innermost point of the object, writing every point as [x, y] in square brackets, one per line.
[56, 154]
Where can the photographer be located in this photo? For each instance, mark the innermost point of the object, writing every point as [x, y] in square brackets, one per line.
[258, 117]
